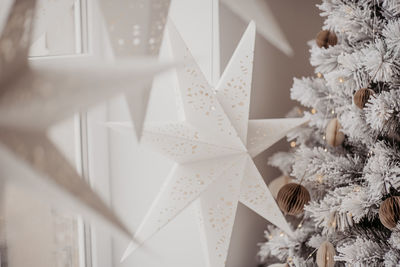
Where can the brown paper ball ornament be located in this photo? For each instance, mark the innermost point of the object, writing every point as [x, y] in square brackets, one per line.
[361, 97]
[333, 136]
[278, 183]
[325, 255]
[326, 38]
[292, 198]
[389, 212]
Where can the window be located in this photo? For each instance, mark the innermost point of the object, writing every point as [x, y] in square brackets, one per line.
[33, 233]
[58, 28]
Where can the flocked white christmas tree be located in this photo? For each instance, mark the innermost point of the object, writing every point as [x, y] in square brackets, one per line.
[350, 166]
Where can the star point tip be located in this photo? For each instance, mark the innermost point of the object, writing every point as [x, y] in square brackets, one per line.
[128, 251]
[138, 129]
[252, 24]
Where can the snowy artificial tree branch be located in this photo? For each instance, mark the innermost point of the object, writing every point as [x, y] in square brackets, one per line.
[348, 183]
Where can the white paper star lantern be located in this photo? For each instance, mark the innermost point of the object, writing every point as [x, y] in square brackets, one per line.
[136, 28]
[213, 150]
[34, 96]
[267, 26]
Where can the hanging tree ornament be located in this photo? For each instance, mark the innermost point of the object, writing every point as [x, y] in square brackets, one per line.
[325, 255]
[213, 150]
[389, 212]
[333, 135]
[278, 183]
[292, 198]
[37, 95]
[326, 38]
[362, 96]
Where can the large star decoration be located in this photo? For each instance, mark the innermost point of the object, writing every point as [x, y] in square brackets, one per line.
[35, 95]
[213, 150]
[267, 26]
[136, 28]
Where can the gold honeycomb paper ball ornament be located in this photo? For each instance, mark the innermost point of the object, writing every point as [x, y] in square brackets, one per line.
[389, 212]
[333, 136]
[326, 38]
[325, 255]
[292, 198]
[362, 96]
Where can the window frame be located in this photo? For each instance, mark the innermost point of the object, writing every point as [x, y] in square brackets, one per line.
[95, 247]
